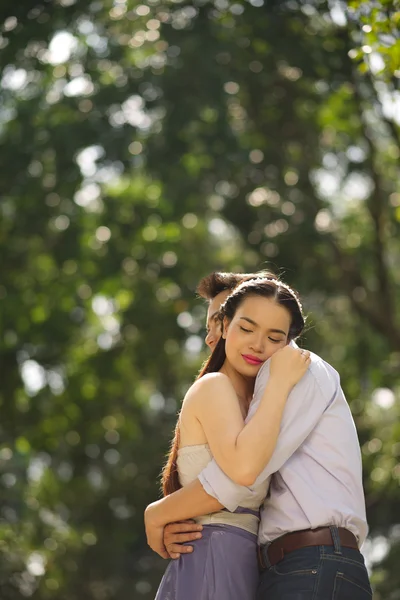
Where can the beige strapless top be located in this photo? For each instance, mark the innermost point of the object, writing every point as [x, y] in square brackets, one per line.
[191, 460]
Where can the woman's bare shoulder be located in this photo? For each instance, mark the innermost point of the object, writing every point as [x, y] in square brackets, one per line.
[207, 386]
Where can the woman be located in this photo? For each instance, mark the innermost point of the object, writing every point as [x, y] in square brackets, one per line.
[259, 318]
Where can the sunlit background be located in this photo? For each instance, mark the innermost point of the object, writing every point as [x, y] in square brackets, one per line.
[143, 146]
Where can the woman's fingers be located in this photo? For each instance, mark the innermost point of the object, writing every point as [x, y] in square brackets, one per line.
[305, 355]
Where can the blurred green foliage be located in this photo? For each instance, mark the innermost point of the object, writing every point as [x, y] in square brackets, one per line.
[142, 146]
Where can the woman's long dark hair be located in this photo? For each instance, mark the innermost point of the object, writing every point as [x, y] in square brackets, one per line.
[266, 288]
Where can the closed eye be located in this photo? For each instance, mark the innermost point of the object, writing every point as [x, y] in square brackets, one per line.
[246, 330]
[274, 341]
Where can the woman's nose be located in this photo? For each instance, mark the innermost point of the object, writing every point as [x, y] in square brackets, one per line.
[258, 345]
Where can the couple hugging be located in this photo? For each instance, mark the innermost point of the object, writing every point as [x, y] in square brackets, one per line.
[263, 496]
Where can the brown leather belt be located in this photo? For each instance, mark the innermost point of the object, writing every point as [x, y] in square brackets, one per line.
[301, 539]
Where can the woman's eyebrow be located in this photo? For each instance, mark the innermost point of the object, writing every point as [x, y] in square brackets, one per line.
[256, 324]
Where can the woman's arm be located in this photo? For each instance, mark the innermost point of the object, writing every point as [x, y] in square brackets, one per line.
[242, 451]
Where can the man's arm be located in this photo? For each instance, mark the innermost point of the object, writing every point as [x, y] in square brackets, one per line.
[190, 501]
[186, 503]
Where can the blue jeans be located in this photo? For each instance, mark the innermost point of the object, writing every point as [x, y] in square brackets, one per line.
[317, 573]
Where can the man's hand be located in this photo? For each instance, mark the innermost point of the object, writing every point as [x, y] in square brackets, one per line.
[154, 531]
[177, 533]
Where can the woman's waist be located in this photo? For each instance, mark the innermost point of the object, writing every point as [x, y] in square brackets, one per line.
[244, 518]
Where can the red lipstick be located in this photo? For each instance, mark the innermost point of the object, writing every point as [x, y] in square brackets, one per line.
[252, 360]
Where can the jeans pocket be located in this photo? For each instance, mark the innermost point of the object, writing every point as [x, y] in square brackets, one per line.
[298, 562]
[294, 571]
[352, 586]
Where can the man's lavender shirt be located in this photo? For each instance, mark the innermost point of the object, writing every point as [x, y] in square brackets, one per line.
[316, 466]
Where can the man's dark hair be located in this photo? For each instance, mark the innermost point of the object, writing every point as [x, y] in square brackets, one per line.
[217, 282]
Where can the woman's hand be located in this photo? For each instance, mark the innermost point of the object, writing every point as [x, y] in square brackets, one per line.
[155, 530]
[289, 364]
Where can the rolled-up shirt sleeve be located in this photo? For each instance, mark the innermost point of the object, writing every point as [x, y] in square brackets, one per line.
[305, 405]
[218, 485]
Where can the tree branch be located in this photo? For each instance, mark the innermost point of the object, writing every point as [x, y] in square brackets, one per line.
[376, 206]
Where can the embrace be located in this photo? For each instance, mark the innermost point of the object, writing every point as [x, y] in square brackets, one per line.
[263, 495]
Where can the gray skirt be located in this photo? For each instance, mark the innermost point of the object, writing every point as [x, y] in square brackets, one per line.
[222, 566]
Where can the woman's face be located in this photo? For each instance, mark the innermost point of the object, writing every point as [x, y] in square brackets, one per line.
[259, 328]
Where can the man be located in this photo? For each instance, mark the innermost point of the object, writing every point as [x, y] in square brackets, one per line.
[215, 288]
[313, 519]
